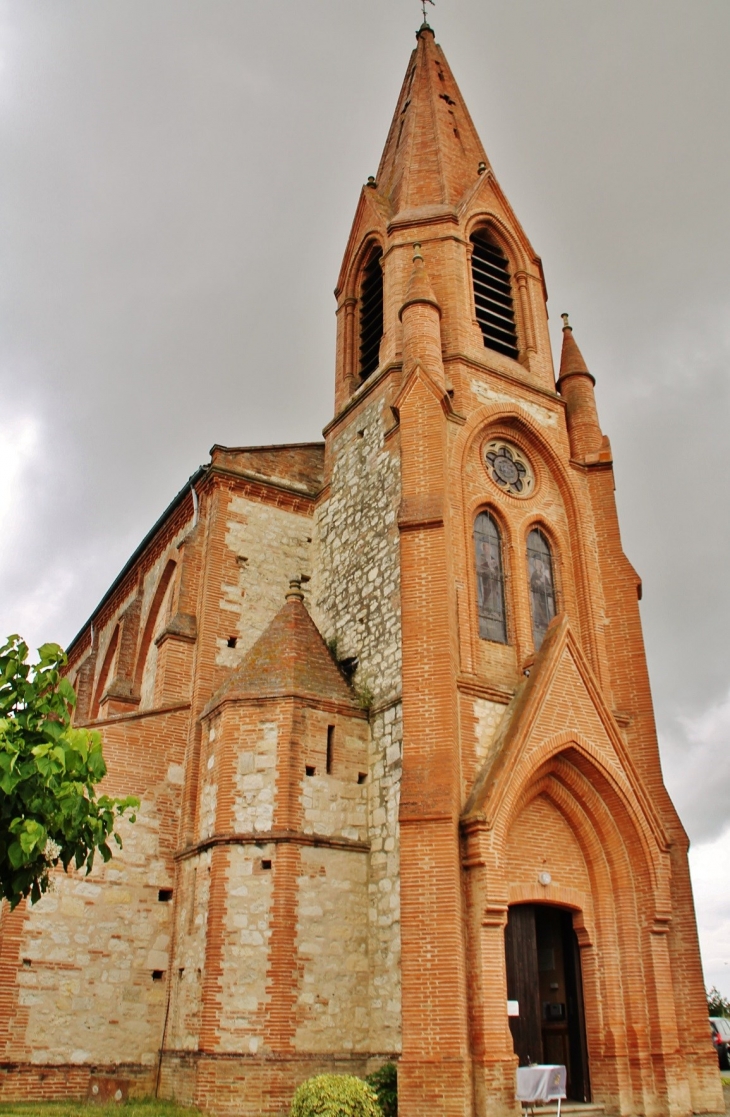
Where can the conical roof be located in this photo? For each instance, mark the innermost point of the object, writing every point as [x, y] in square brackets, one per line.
[571, 358]
[289, 659]
[433, 152]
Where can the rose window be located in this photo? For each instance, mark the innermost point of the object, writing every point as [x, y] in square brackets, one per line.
[509, 468]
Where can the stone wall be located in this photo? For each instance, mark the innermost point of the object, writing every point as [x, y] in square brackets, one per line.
[384, 879]
[356, 578]
[333, 1013]
[183, 1031]
[356, 603]
[271, 545]
[94, 951]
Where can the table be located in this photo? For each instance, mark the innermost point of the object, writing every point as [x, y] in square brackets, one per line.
[541, 1083]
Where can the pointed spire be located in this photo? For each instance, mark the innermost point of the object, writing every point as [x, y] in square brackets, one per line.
[575, 384]
[433, 153]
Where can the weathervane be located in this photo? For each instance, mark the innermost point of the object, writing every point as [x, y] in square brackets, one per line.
[423, 5]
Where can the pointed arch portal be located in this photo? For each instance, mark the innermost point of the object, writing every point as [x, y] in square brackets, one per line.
[583, 949]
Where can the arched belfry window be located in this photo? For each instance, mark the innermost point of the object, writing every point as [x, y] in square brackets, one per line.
[371, 313]
[542, 585]
[493, 296]
[490, 579]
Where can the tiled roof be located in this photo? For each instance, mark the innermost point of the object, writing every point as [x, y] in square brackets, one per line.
[290, 658]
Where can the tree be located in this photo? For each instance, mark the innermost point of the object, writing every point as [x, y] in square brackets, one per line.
[717, 1005]
[49, 810]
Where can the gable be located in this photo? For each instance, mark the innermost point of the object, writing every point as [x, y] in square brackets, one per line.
[560, 705]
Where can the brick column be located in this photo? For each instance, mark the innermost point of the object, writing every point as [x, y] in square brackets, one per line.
[435, 1066]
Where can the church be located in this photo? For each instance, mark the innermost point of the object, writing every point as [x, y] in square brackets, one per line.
[385, 702]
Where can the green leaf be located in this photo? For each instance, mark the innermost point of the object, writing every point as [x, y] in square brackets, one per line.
[67, 692]
[49, 770]
[16, 856]
[32, 836]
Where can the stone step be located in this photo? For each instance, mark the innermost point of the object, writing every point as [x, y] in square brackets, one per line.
[570, 1109]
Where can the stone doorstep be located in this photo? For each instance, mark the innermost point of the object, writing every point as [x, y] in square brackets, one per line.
[576, 1108]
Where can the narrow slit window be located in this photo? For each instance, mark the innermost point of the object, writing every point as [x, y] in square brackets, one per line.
[371, 314]
[542, 585]
[493, 296]
[330, 747]
[490, 579]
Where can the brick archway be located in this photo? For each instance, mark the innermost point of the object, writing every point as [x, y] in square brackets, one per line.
[566, 813]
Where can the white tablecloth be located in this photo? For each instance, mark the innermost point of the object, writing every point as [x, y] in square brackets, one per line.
[542, 1082]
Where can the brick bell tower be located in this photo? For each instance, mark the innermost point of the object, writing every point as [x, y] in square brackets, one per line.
[541, 860]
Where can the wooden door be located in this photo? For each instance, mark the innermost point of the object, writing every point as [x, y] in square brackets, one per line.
[580, 1086]
[520, 944]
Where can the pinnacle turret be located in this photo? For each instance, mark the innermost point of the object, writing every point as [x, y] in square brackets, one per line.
[571, 358]
[575, 384]
[419, 288]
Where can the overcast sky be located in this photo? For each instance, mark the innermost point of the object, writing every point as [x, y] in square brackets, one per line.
[176, 189]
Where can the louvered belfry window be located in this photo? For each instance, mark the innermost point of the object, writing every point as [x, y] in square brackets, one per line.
[371, 313]
[493, 296]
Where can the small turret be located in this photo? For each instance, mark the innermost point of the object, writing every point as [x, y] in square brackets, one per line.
[575, 385]
[421, 318]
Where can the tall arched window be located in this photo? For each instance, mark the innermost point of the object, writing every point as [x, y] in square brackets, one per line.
[490, 579]
[493, 296]
[371, 313]
[542, 585]
[106, 674]
[147, 655]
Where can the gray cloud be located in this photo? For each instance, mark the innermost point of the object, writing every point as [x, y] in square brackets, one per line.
[697, 768]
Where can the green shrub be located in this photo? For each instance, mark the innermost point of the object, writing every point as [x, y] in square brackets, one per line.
[335, 1095]
[384, 1081]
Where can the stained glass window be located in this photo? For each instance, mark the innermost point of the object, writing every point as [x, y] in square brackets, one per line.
[542, 587]
[490, 579]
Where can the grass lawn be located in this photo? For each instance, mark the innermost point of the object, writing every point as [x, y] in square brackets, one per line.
[147, 1107]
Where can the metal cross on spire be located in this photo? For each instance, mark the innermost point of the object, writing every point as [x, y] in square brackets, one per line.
[423, 6]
